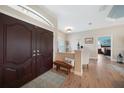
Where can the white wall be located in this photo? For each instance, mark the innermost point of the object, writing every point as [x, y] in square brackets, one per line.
[116, 33]
[63, 37]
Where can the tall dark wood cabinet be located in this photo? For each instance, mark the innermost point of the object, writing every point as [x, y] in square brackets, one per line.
[44, 50]
[1, 50]
[26, 51]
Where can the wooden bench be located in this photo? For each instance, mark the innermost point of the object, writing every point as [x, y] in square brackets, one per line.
[62, 64]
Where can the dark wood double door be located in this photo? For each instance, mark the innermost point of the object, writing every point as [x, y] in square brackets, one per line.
[26, 51]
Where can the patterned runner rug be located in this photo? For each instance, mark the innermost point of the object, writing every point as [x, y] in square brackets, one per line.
[117, 68]
[50, 79]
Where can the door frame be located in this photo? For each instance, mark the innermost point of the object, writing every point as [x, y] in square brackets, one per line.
[111, 44]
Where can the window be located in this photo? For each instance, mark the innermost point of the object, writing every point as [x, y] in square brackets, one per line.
[61, 44]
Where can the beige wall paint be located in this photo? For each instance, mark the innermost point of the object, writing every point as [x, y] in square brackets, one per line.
[62, 34]
[116, 33]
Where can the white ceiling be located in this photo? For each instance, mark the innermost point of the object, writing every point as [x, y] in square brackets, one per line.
[78, 16]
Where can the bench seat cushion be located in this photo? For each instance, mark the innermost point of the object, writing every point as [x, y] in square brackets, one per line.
[62, 64]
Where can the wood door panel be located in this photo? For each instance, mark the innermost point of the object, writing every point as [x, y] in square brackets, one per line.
[45, 44]
[1, 50]
[1, 42]
[49, 38]
[19, 46]
[48, 62]
[49, 57]
[27, 70]
[43, 64]
[10, 76]
[18, 43]
[45, 47]
[39, 65]
[18, 40]
[0, 77]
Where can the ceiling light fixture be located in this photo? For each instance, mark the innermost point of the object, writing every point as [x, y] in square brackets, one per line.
[68, 29]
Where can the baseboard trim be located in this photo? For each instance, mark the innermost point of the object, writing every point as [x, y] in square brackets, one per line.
[114, 60]
[93, 58]
[78, 73]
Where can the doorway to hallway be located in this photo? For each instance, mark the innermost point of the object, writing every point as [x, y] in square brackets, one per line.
[104, 46]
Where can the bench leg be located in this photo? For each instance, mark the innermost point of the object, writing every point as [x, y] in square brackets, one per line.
[57, 68]
[68, 71]
[87, 66]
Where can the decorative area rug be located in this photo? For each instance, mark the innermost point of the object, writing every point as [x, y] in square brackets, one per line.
[50, 79]
[118, 69]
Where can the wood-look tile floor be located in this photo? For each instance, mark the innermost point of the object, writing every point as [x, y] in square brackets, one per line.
[100, 74]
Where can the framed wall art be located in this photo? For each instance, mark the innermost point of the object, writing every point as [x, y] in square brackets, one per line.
[89, 40]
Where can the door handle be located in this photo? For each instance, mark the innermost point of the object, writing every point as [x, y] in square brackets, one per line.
[38, 54]
[34, 55]
[38, 50]
[34, 51]
[10, 69]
